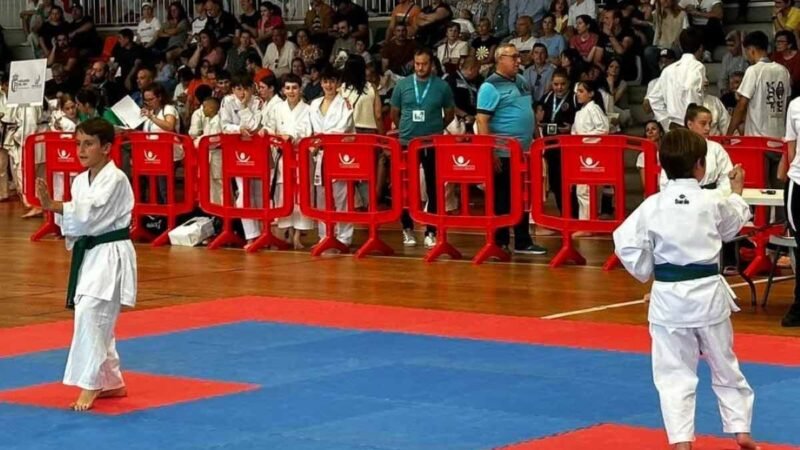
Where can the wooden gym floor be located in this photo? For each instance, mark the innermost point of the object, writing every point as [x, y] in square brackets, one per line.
[34, 277]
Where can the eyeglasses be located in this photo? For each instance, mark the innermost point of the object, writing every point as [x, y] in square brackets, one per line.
[513, 56]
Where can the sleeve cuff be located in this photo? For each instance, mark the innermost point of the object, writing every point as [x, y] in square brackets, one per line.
[488, 113]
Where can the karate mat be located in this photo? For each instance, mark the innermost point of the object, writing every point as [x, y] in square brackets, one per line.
[266, 373]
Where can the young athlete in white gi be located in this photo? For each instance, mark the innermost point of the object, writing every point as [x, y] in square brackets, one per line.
[288, 119]
[676, 237]
[718, 163]
[331, 114]
[102, 279]
[240, 112]
[590, 120]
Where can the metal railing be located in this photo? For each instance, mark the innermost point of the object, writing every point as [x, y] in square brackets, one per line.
[119, 13]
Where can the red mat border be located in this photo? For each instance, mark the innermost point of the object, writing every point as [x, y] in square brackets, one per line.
[23, 340]
[626, 437]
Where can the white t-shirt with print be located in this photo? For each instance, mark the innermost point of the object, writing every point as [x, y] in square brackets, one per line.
[768, 86]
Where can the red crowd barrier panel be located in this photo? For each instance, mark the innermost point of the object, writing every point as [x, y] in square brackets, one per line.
[61, 165]
[153, 176]
[465, 161]
[752, 152]
[349, 159]
[249, 159]
[594, 161]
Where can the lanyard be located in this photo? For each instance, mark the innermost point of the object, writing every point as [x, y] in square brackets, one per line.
[557, 108]
[424, 93]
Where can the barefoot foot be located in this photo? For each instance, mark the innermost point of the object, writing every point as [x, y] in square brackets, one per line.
[114, 393]
[682, 446]
[85, 400]
[746, 441]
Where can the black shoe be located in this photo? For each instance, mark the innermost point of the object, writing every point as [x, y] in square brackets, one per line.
[792, 318]
[532, 249]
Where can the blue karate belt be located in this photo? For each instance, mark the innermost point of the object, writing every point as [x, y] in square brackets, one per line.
[83, 244]
[672, 273]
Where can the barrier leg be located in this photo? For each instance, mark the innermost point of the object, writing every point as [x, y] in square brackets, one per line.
[374, 245]
[567, 253]
[163, 238]
[138, 232]
[267, 239]
[226, 237]
[761, 263]
[491, 250]
[329, 242]
[48, 227]
[611, 263]
[442, 247]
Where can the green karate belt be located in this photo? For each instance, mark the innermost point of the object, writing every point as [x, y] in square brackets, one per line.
[673, 273]
[83, 244]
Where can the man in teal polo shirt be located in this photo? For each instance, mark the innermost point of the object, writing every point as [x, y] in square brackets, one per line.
[505, 109]
[422, 105]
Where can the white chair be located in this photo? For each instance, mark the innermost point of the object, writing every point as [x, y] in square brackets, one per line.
[782, 244]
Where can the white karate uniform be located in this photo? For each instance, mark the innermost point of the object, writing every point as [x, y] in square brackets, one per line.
[680, 84]
[689, 317]
[720, 119]
[718, 166]
[200, 126]
[337, 120]
[5, 183]
[28, 121]
[590, 120]
[107, 278]
[283, 120]
[233, 116]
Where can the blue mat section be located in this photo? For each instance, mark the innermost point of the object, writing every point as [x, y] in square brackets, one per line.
[331, 389]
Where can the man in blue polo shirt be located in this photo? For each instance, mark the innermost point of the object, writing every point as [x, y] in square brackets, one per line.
[422, 105]
[505, 108]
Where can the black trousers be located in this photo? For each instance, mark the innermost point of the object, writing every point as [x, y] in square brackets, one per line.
[428, 161]
[502, 205]
[553, 158]
[791, 198]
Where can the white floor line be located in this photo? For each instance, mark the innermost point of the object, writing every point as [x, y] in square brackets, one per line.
[641, 300]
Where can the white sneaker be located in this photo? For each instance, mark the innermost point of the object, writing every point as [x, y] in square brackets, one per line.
[408, 238]
[430, 240]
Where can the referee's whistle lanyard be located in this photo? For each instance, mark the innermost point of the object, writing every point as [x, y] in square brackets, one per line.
[557, 106]
[419, 98]
[424, 93]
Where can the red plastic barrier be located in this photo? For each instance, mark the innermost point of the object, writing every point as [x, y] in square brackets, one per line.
[349, 158]
[465, 160]
[151, 159]
[751, 152]
[250, 159]
[61, 159]
[587, 160]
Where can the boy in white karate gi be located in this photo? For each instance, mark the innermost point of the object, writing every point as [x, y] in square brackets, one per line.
[240, 113]
[676, 236]
[102, 278]
[288, 119]
[331, 114]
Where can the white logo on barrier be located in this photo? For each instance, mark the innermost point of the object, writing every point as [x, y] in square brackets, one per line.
[347, 161]
[243, 159]
[64, 156]
[150, 157]
[461, 163]
[588, 164]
